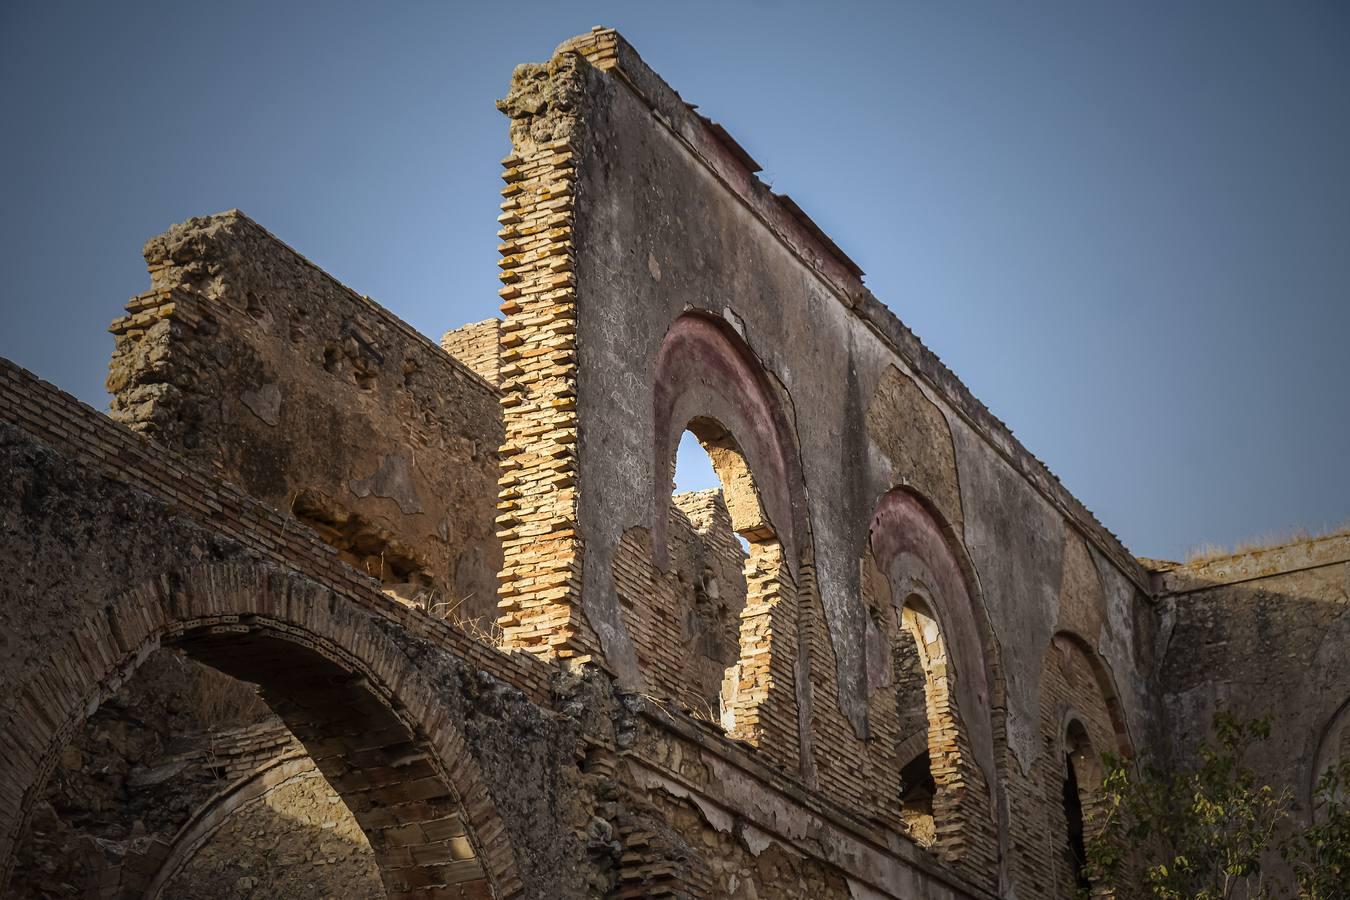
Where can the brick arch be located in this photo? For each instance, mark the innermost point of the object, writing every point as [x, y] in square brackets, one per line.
[928, 573]
[213, 814]
[706, 373]
[1106, 691]
[1077, 693]
[365, 713]
[708, 381]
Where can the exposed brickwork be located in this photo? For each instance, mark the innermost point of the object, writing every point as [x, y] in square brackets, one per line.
[1070, 693]
[64, 423]
[685, 621]
[536, 521]
[763, 702]
[884, 694]
[479, 346]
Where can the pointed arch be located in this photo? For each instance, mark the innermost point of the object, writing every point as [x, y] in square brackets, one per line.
[709, 382]
[933, 588]
[1080, 718]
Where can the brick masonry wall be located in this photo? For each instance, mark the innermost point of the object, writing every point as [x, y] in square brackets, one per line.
[527, 759]
[685, 621]
[479, 346]
[245, 357]
[1056, 625]
[82, 434]
[1069, 692]
[81, 602]
[539, 607]
[872, 412]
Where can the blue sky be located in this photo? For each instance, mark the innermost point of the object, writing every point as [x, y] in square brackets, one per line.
[1125, 226]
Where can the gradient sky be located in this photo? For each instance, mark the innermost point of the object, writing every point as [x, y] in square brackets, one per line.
[1125, 226]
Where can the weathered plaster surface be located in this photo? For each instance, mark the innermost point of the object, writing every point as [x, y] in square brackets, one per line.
[318, 471]
[1017, 543]
[1247, 633]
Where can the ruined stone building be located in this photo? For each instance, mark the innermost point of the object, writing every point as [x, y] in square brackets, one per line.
[324, 609]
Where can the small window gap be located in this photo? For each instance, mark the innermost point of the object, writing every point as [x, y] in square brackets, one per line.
[1073, 814]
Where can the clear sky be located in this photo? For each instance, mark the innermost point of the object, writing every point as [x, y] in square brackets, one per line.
[1126, 226]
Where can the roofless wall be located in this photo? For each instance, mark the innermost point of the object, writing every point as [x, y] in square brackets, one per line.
[629, 223]
[881, 660]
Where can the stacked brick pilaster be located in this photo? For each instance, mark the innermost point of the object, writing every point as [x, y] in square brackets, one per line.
[540, 580]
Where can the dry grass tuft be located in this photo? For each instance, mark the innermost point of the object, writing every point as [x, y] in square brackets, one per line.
[1204, 553]
[484, 630]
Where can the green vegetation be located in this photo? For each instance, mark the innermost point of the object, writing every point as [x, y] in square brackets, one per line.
[1208, 832]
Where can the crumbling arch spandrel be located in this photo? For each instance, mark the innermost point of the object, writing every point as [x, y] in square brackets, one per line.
[704, 373]
[932, 592]
[708, 381]
[366, 714]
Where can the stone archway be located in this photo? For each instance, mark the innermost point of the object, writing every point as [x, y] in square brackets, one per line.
[217, 815]
[365, 713]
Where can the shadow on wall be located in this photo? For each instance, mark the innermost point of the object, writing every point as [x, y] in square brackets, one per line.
[136, 770]
[172, 742]
[298, 840]
[1269, 644]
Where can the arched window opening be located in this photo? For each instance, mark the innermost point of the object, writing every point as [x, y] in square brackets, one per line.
[925, 708]
[708, 382]
[1081, 777]
[708, 558]
[728, 554]
[939, 658]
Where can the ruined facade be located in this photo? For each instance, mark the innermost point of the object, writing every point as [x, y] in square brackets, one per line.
[324, 608]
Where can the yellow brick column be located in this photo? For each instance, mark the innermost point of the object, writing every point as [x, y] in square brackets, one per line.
[539, 598]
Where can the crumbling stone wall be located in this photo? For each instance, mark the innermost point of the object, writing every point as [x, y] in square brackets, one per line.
[549, 806]
[1263, 634]
[896, 689]
[246, 357]
[685, 622]
[111, 561]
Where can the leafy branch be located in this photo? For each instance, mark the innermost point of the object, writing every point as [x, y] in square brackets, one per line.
[1204, 832]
